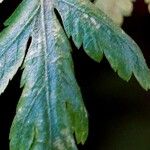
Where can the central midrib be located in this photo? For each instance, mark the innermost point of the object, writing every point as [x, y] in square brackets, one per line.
[44, 39]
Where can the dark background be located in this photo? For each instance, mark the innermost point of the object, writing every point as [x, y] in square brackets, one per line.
[119, 112]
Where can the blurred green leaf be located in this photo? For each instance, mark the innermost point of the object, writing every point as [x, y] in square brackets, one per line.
[148, 2]
[116, 9]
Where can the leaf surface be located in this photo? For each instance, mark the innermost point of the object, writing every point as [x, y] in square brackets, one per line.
[51, 111]
[92, 28]
[13, 41]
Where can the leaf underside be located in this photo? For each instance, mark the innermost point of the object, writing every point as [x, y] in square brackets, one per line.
[51, 111]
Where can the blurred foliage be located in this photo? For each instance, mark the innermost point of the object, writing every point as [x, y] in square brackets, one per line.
[116, 9]
[148, 2]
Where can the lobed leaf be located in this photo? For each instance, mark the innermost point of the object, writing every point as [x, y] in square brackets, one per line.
[13, 41]
[99, 36]
[51, 111]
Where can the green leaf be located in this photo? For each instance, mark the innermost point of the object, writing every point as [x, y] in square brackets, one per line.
[99, 36]
[51, 111]
[13, 41]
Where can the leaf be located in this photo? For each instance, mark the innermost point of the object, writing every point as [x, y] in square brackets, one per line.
[51, 111]
[148, 2]
[51, 108]
[116, 9]
[99, 36]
